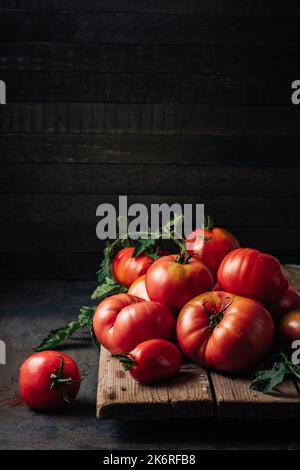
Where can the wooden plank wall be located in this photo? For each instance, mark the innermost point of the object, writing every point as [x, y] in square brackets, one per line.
[161, 100]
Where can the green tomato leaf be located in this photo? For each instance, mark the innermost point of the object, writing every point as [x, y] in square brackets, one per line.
[55, 337]
[109, 287]
[266, 380]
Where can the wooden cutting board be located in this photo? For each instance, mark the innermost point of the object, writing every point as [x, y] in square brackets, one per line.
[194, 393]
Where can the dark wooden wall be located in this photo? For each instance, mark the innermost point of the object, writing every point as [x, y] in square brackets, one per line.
[163, 100]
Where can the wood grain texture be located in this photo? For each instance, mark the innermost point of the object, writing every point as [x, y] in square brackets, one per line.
[145, 28]
[255, 8]
[168, 59]
[149, 149]
[153, 87]
[64, 118]
[99, 179]
[119, 396]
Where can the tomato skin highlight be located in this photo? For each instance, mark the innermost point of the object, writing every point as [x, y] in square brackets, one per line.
[127, 269]
[155, 360]
[211, 246]
[122, 321]
[235, 341]
[250, 273]
[289, 327]
[138, 288]
[290, 301]
[174, 284]
[35, 380]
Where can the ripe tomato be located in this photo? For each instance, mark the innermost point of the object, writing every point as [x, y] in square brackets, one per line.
[225, 332]
[49, 380]
[289, 327]
[138, 288]
[253, 274]
[174, 280]
[127, 269]
[152, 360]
[211, 245]
[122, 321]
[289, 302]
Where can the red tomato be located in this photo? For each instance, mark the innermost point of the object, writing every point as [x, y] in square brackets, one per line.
[127, 269]
[138, 288]
[152, 360]
[253, 274]
[173, 281]
[211, 245]
[289, 327]
[225, 332]
[289, 302]
[122, 321]
[49, 380]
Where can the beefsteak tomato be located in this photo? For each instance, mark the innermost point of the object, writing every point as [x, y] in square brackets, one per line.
[210, 245]
[123, 321]
[253, 274]
[49, 380]
[152, 360]
[127, 268]
[175, 279]
[225, 332]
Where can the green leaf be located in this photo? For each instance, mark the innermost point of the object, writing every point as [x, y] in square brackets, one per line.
[109, 287]
[55, 337]
[266, 380]
[143, 245]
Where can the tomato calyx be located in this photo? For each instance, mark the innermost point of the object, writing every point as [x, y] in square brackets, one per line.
[215, 317]
[126, 359]
[183, 257]
[209, 223]
[59, 381]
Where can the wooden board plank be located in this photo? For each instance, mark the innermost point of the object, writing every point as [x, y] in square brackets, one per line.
[145, 28]
[36, 87]
[255, 8]
[119, 396]
[150, 179]
[150, 149]
[119, 118]
[163, 59]
[235, 399]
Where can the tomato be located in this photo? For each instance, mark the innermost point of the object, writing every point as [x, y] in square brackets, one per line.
[138, 288]
[152, 360]
[123, 321]
[49, 380]
[210, 245]
[289, 302]
[253, 274]
[173, 280]
[289, 327]
[225, 332]
[127, 269]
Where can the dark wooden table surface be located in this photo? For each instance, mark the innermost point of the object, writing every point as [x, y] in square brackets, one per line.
[28, 310]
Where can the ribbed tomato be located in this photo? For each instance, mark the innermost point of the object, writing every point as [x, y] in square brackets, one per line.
[225, 332]
[123, 321]
[173, 280]
[211, 245]
[289, 301]
[138, 288]
[152, 360]
[127, 268]
[253, 274]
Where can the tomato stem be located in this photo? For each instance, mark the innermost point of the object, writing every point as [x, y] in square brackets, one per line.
[59, 381]
[216, 317]
[126, 359]
[209, 223]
